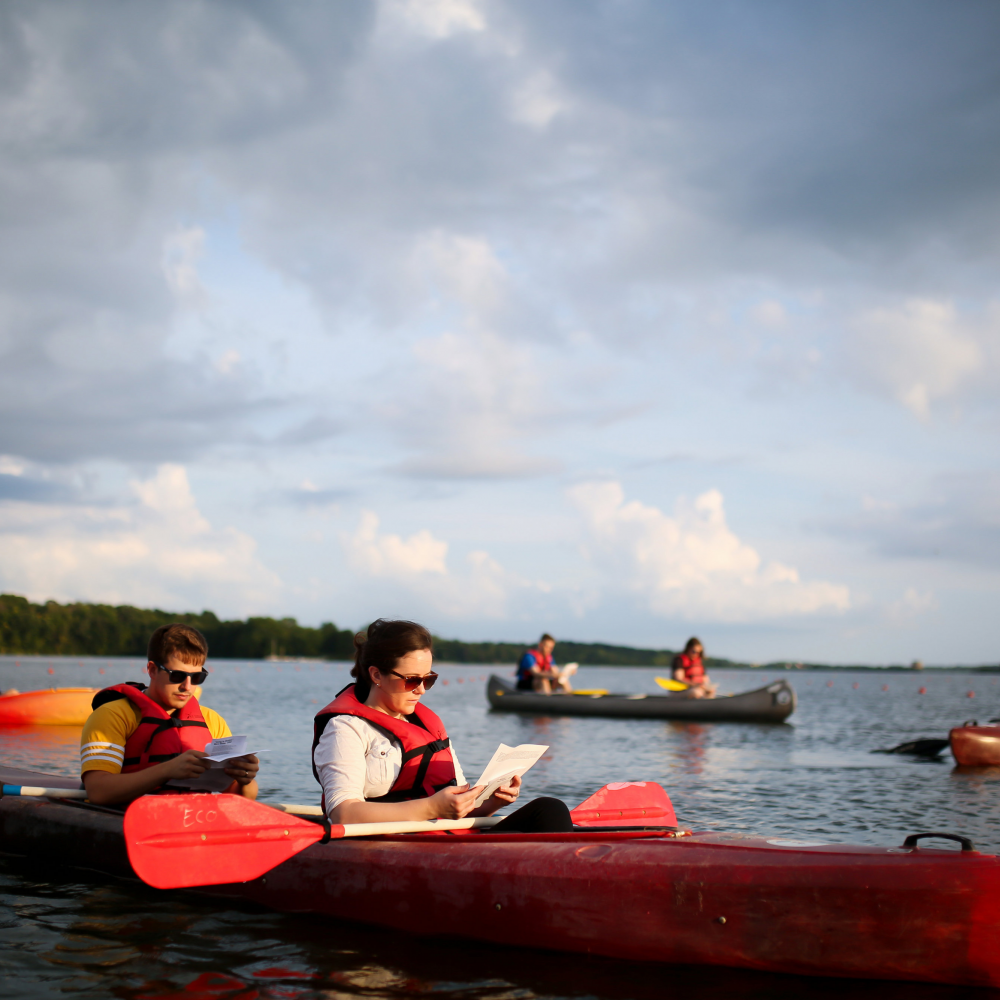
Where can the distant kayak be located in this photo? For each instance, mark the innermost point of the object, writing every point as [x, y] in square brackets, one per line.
[976, 746]
[51, 707]
[772, 703]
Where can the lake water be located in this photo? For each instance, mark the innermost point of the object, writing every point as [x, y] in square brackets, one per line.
[76, 933]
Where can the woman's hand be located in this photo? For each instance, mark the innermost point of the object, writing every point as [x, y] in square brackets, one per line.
[454, 802]
[501, 797]
[243, 770]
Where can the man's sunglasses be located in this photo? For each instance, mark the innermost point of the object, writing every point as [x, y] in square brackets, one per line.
[412, 683]
[180, 676]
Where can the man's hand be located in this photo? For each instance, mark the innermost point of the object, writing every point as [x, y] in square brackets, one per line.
[189, 764]
[243, 770]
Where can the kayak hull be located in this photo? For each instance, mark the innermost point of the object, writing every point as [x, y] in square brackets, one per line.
[772, 703]
[52, 707]
[976, 746]
[713, 899]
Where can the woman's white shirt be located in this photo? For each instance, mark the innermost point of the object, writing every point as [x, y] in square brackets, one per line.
[357, 761]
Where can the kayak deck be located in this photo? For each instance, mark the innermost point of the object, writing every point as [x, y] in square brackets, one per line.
[795, 906]
[774, 702]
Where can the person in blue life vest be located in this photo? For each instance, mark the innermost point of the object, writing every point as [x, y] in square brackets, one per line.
[382, 756]
[537, 670]
[139, 737]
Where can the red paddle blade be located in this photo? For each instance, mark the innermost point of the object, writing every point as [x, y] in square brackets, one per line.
[178, 841]
[626, 803]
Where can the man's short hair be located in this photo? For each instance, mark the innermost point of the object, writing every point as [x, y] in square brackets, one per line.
[183, 642]
[546, 638]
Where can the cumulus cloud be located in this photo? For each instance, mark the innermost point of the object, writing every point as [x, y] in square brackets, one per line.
[158, 550]
[389, 555]
[691, 565]
[920, 352]
[913, 605]
[415, 572]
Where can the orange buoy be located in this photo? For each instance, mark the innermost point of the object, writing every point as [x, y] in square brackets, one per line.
[855, 685]
[51, 671]
[52, 707]
[885, 687]
[101, 671]
[829, 684]
[922, 691]
[970, 694]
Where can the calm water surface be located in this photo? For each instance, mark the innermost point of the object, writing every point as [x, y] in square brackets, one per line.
[68, 932]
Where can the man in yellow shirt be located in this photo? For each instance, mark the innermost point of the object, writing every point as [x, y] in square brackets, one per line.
[138, 738]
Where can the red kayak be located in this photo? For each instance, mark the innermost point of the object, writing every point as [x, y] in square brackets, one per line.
[976, 746]
[908, 912]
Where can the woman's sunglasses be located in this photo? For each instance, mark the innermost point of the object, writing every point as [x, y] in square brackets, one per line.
[180, 676]
[412, 683]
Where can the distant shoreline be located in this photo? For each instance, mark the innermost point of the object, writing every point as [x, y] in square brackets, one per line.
[82, 629]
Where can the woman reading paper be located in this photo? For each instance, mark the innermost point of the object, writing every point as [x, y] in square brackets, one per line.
[382, 756]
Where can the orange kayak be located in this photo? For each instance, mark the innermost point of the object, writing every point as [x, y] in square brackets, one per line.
[976, 746]
[52, 707]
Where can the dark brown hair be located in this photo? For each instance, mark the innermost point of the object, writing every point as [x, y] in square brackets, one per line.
[181, 641]
[691, 643]
[545, 638]
[381, 645]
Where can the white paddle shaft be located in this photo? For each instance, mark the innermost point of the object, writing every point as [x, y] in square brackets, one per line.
[418, 826]
[48, 793]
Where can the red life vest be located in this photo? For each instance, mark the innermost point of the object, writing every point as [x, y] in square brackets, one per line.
[160, 735]
[544, 660]
[428, 765]
[694, 670]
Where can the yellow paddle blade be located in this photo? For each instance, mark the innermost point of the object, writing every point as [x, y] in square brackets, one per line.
[592, 692]
[671, 685]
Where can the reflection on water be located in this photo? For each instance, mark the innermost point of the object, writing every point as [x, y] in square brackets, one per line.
[57, 747]
[72, 933]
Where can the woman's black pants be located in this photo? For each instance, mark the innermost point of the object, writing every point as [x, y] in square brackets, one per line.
[545, 815]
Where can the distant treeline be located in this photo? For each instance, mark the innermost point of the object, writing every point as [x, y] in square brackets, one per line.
[103, 630]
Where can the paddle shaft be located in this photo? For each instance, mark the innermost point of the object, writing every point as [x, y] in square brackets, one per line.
[262, 832]
[48, 793]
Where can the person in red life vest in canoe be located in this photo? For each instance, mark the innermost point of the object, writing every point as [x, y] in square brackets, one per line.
[138, 737]
[689, 669]
[537, 670]
[381, 756]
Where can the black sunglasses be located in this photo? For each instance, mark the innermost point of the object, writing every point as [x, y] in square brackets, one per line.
[412, 683]
[179, 676]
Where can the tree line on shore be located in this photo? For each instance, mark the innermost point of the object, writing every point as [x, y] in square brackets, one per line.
[53, 629]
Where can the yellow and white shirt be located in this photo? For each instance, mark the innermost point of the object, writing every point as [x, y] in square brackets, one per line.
[102, 743]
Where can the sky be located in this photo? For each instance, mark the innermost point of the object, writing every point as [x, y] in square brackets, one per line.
[618, 319]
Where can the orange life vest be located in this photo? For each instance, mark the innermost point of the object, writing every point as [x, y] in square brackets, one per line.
[428, 765]
[160, 735]
[694, 669]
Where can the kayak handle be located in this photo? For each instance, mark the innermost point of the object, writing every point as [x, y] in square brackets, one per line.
[911, 841]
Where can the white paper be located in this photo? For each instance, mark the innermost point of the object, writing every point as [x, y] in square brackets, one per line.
[219, 752]
[227, 747]
[505, 763]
